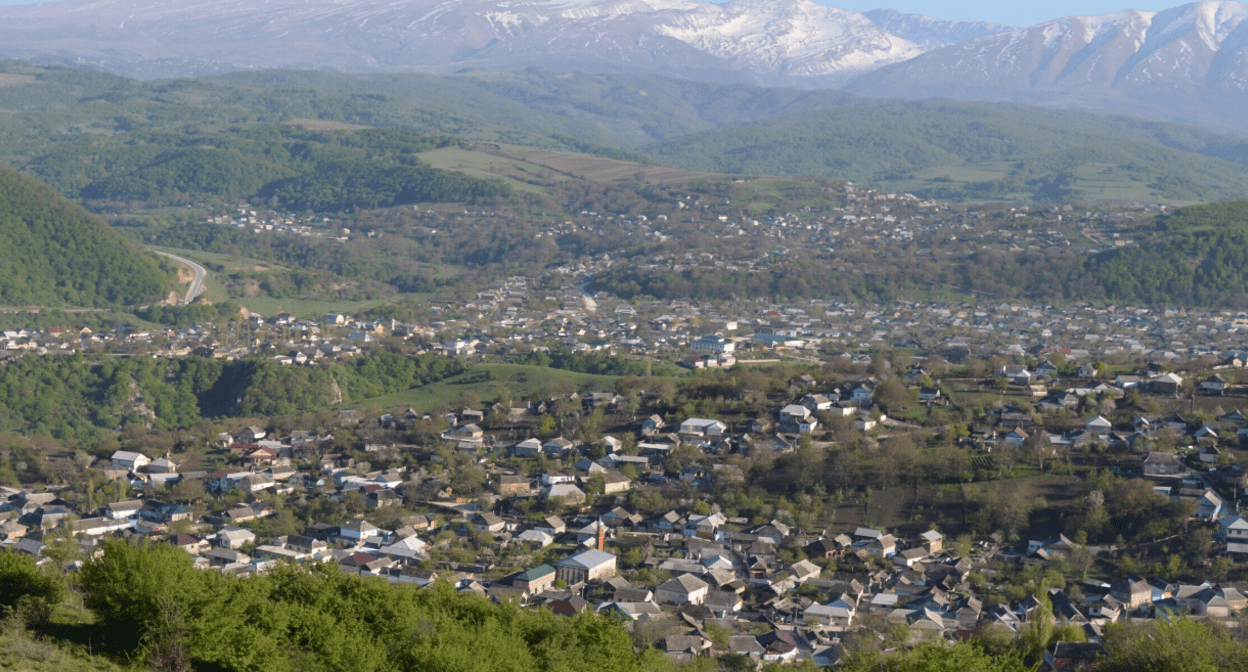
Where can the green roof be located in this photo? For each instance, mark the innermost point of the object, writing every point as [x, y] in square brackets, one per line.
[536, 573]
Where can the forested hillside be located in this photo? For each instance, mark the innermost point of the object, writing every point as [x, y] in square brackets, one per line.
[71, 399]
[53, 253]
[204, 138]
[292, 167]
[976, 151]
[1197, 256]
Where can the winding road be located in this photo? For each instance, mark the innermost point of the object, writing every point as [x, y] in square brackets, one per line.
[197, 284]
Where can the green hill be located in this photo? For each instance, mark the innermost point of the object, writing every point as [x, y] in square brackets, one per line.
[226, 173]
[1197, 256]
[955, 150]
[198, 139]
[54, 253]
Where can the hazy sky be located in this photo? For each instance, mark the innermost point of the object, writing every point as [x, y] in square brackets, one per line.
[1021, 14]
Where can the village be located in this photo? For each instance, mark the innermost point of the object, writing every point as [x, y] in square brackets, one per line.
[629, 523]
[795, 473]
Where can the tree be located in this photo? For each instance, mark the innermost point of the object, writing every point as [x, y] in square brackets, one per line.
[1181, 645]
[25, 587]
[130, 588]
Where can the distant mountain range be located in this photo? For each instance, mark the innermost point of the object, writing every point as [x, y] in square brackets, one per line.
[745, 40]
[1185, 64]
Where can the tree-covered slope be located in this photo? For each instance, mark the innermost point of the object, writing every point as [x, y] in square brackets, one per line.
[1197, 256]
[226, 173]
[1013, 149]
[54, 253]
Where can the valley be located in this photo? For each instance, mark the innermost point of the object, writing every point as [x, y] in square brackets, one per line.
[650, 336]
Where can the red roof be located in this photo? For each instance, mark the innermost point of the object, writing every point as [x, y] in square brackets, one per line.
[359, 559]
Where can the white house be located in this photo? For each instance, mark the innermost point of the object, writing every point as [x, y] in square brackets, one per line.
[702, 427]
[358, 530]
[124, 459]
[684, 589]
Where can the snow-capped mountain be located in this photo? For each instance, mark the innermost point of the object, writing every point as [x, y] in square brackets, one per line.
[931, 33]
[1188, 63]
[1183, 58]
[794, 41]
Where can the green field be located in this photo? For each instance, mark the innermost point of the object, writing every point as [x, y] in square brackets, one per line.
[523, 381]
[521, 166]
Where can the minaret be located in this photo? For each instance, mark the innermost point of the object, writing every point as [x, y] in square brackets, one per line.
[602, 535]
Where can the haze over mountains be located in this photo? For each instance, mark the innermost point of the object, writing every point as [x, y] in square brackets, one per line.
[1185, 64]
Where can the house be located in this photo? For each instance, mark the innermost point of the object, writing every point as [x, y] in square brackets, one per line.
[1208, 506]
[1017, 437]
[536, 538]
[12, 530]
[488, 522]
[816, 402]
[1214, 385]
[586, 566]
[932, 541]
[797, 419]
[1072, 656]
[1167, 383]
[127, 509]
[558, 447]
[514, 485]
[838, 612]
[683, 648]
[220, 557]
[713, 343]
[722, 603]
[162, 466]
[884, 546]
[803, 570]
[702, 427]
[1233, 529]
[570, 493]
[778, 646]
[863, 393]
[234, 537]
[1056, 543]
[358, 531]
[252, 434]
[683, 589]
[553, 525]
[124, 459]
[615, 482]
[1047, 369]
[535, 580]
[1099, 425]
[410, 548]
[1132, 594]
[527, 448]
[910, 557]
[191, 544]
[161, 512]
[652, 425]
[1163, 465]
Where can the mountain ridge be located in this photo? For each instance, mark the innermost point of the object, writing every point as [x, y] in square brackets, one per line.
[1187, 64]
[799, 41]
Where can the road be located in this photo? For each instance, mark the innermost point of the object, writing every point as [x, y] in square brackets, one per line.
[197, 284]
[591, 306]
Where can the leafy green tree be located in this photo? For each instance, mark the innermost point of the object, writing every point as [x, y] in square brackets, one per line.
[26, 586]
